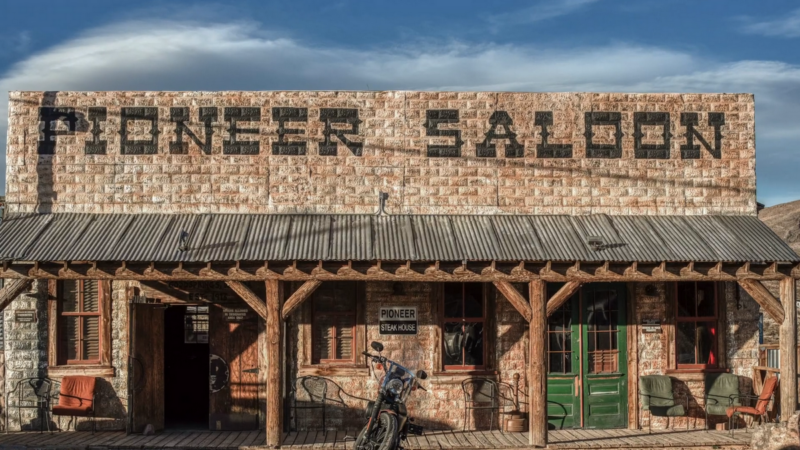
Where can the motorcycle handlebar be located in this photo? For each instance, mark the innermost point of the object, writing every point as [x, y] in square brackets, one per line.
[375, 357]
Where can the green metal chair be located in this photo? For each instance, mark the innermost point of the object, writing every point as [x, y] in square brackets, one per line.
[721, 393]
[658, 398]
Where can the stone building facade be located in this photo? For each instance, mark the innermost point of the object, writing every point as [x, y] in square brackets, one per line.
[572, 166]
[333, 152]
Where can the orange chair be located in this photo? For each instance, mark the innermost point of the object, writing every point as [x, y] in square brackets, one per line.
[76, 398]
[762, 402]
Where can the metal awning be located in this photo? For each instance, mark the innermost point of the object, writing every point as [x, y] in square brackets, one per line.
[284, 237]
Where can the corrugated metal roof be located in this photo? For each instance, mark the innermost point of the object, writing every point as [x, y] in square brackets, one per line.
[263, 237]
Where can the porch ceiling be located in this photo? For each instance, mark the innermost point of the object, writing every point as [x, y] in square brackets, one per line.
[204, 238]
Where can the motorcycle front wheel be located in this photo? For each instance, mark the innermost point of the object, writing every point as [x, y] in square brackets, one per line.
[384, 436]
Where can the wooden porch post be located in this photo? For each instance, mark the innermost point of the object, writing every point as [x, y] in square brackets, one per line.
[788, 349]
[274, 325]
[537, 375]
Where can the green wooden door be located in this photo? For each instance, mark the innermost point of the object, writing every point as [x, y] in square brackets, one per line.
[604, 355]
[563, 377]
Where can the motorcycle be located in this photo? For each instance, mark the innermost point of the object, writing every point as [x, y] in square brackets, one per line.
[388, 422]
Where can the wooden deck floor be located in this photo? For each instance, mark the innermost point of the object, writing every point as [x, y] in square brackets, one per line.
[433, 440]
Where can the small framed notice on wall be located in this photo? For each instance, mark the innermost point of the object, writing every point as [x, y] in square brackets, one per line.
[651, 326]
[25, 316]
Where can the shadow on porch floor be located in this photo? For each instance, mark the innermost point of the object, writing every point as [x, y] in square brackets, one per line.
[432, 440]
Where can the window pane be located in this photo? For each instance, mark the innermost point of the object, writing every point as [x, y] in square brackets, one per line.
[705, 300]
[598, 312]
[685, 342]
[557, 343]
[453, 300]
[568, 362]
[603, 341]
[556, 363]
[686, 303]
[344, 337]
[70, 336]
[189, 336]
[69, 295]
[91, 338]
[473, 344]
[706, 339]
[453, 344]
[323, 346]
[91, 296]
[473, 300]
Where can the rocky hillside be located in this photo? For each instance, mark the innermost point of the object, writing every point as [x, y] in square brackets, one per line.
[784, 219]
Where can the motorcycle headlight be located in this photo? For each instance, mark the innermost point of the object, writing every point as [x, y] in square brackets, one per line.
[395, 386]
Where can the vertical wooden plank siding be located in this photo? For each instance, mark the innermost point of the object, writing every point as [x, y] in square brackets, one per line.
[633, 359]
[274, 429]
[537, 383]
[788, 342]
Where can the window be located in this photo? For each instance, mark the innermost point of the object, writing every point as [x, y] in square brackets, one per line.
[195, 325]
[464, 317]
[559, 333]
[696, 325]
[79, 325]
[335, 314]
[79, 317]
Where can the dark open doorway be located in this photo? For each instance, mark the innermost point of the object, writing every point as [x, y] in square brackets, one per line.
[186, 367]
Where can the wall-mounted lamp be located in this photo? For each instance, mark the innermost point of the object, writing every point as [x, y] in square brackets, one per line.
[183, 243]
[595, 242]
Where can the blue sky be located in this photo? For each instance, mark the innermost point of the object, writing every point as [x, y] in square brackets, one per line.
[554, 45]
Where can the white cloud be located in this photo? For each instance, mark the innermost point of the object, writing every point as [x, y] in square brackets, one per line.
[173, 55]
[541, 11]
[787, 26]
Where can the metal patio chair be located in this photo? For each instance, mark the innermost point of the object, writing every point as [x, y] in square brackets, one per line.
[658, 398]
[481, 394]
[316, 395]
[721, 393]
[76, 398]
[763, 400]
[32, 393]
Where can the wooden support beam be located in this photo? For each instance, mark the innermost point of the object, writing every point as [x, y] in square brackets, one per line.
[431, 271]
[515, 298]
[11, 290]
[537, 375]
[764, 298]
[274, 426]
[562, 296]
[249, 297]
[788, 349]
[299, 297]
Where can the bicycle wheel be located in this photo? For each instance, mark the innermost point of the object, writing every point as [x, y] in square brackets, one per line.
[384, 436]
